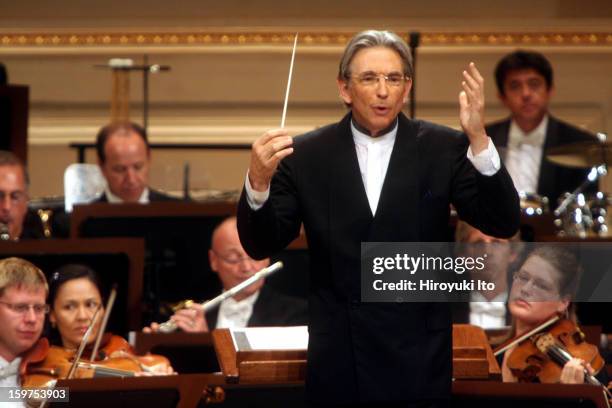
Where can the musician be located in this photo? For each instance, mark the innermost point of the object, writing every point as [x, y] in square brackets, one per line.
[374, 176]
[542, 288]
[256, 305]
[525, 86]
[14, 199]
[23, 291]
[487, 309]
[124, 156]
[74, 297]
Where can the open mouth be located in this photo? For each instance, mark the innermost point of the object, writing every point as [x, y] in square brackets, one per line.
[381, 110]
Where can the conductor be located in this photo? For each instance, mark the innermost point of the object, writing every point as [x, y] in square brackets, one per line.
[375, 176]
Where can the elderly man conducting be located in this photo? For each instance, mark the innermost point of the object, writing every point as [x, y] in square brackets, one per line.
[375, 176]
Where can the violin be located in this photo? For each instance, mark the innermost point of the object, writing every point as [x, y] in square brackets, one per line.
[540, 357]
[45, 364]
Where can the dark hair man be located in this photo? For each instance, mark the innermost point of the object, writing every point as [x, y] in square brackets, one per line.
[525, 86]
[124, 156]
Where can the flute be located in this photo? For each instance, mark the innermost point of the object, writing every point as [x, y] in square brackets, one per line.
[170, 325]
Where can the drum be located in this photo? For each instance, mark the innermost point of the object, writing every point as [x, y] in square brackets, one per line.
[586, 216]
[533, 204]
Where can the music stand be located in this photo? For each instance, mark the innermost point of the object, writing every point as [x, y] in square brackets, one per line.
[258, 366]
[188, 352]
[182, 391]
[117, 260]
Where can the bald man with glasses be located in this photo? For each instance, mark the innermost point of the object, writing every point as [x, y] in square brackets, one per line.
[258, 305]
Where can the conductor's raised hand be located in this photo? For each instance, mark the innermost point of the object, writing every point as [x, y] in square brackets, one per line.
[471, 105]
[266, 153]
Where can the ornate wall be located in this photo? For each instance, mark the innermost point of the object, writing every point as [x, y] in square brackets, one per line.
[230, 59]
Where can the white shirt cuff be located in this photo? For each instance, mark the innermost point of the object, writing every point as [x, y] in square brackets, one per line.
[486, 162]
[256, 199]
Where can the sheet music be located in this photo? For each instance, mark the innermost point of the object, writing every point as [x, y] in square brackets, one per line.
[270, 338]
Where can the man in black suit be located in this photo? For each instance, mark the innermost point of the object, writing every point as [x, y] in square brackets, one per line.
[124, 157]
[16, 221]
[525, 86]
[258, 305]
[375, 176]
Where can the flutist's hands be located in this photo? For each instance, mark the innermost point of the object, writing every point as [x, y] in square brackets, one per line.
[267, 151]
[189, 320]
[471, 105]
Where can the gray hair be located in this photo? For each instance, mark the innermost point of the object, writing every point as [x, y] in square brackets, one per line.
[375, 38]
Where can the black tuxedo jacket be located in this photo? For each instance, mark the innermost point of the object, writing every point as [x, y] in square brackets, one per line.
[374, 352]
[271, 309]
[553, 180]
[154, 196]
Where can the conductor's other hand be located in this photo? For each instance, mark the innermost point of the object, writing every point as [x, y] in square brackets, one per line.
[267, 151]
[471, 108]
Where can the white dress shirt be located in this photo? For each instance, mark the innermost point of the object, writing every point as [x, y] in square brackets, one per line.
[524, 155]
[10, 378]
[373, 154]
[373, 157]
[488, 314]
[143, 199]
[233, 314]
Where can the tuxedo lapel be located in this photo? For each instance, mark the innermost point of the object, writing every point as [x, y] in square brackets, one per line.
[547, 169]
[399, 197]
[500, 137]
[348, 199]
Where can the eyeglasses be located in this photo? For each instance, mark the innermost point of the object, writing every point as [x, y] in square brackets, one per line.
[24, 308]
[368, 79]
[539, 285]
[234, 258]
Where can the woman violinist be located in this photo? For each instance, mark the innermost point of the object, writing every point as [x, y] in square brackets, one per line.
[74, 298]
[542, 289]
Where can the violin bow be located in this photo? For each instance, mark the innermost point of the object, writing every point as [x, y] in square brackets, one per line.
[107, 312]
[78, 354]
[522, 337]
[289, 82]
[83, 344]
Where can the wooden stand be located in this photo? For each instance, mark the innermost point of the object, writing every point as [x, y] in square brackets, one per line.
[472, 355]
[258, 367]
[491, 393]
[188, 352]
[182, 391]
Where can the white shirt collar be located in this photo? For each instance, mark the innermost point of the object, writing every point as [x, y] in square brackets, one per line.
[249, 300]
[234, 313]
[9, 369]
[536, 137]
[361, 138]
[112, 198]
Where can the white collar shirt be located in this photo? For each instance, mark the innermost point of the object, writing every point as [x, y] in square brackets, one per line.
[236, 314]
[373, 154]
[9, 378]
[524, 155]
[488, 314]
[112, 198]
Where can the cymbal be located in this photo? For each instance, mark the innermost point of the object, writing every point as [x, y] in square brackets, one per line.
[581, 154]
